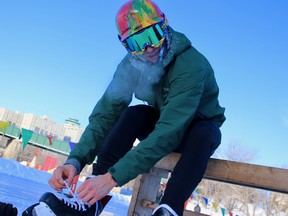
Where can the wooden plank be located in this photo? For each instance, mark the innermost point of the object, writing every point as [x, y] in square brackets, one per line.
[153, 205]
[134, 198]
[256, 176]
[268, 178]
[169, 161]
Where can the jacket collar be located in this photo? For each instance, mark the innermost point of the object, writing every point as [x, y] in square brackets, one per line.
[179, 42]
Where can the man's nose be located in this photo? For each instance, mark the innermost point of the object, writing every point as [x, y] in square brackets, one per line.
[149, 49]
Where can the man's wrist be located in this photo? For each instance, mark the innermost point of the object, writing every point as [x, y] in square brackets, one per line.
[112, 179]
[75, 163]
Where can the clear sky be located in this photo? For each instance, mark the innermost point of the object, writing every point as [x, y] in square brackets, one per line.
[58, 56]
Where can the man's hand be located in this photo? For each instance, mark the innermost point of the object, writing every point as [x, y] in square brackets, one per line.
[96, 188]
[61, 173]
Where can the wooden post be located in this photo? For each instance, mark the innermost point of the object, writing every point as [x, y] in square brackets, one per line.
[146, 187]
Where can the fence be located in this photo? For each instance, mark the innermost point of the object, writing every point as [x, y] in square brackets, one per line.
[147, 185]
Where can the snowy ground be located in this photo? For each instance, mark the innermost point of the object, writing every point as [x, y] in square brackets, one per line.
[22, 186]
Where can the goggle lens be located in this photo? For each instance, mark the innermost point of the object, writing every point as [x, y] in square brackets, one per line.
[152, 36]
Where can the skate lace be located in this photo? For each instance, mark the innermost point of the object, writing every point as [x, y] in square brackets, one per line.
[75, 202]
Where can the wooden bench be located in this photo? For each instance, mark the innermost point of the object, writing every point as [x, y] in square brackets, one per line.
[147, 185]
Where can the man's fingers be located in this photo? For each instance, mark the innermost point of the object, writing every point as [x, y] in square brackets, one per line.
[55, 184]
[92, 201]
[69, 179]
[61, 173]
[90, 196]
[56, 181]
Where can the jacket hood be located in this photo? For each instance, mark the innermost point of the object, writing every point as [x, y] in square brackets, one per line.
[179, 42]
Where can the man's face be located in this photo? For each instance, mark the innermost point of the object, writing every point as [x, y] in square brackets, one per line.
[151, 54]
[146, 43]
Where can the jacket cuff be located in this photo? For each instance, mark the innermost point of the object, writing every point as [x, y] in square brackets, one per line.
[75, 163]
[117, 177]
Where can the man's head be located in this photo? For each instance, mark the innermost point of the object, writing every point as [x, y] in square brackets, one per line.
[141, 25]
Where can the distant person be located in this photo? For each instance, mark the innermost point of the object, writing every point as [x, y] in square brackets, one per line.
[181, 114]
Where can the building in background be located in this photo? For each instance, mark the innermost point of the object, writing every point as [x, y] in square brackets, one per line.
[70, 130]
[14, 118]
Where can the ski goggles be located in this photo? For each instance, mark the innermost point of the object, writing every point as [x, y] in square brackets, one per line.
[152, 36]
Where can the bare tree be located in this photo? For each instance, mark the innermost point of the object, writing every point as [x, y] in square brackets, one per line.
[233, 197]
[236, 152]
[274, 203]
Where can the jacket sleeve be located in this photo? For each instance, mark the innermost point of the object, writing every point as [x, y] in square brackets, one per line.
[116, 98]
[177, 112]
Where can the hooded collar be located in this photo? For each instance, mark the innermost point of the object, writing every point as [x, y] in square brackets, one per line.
[179, 42]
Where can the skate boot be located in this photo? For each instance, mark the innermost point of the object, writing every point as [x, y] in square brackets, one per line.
[65, 205]
[28, 211]
[7, 209]
[51, 205]
[164, 210]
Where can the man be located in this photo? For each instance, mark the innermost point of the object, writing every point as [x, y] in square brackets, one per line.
[181, 113]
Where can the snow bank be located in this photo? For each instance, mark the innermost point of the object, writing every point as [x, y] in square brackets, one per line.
[14, 168]
[121, 199]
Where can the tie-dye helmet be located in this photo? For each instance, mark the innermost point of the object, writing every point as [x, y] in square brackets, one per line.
[136, 15]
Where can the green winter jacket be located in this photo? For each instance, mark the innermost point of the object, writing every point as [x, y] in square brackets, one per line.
[182, 88]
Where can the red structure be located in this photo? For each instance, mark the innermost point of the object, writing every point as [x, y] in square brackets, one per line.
[50, 163]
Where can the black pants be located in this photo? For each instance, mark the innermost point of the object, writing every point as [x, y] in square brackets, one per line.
[199, 143]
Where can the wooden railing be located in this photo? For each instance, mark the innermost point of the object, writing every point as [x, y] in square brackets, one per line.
[147, 185]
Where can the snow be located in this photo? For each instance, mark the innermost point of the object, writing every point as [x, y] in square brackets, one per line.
[14, 168]
[22, 186]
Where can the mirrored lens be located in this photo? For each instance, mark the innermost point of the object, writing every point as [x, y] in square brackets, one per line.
[152, 36]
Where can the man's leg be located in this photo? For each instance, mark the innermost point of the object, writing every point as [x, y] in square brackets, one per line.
[136, 122]
[200, 142]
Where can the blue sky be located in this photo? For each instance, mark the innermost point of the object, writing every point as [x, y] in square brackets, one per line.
[57, 57]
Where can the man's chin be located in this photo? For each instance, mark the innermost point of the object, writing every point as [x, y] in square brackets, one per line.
[152, 59]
